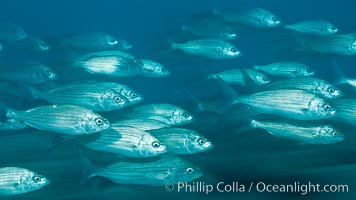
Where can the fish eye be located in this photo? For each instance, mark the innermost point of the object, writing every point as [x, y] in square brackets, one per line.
[333, 28]
[36, 178]
[331, 90]
[133, 95]
[201, 141]
[185, 115]
[265, 78]
[117, 99]
[99, 121]
[156, 144]
[335, 133]
[327, 107]
[48, 73]
[274, 19]
[189, 170]
[233, 50]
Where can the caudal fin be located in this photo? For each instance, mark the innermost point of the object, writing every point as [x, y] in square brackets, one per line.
[89, 170]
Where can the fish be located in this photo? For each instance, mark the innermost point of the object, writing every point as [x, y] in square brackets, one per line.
[169, 114]
[12, 124]
[96, 41]
[314, 27]
[16, 181]
[123, 44]
[286, 69]
[30, 43]
[235, 77]
[288, 103]
[341, 78]
[153, 69]
[309, 84]
[182, 141]
[141, 124]
[339, 44]
[113, 63]
[213, 30]
[208, 48]
[93, 96]
[159, 172]
[347, 110]
[28, 72]
[125, 141]
[253, 17]
[66, 119]
[131, 95]
[11, 32]
[309, 134]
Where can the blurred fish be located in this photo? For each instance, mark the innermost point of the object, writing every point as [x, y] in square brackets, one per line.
[286, 69]
[12, 124]
[341, 44]
[211, 30]
[126, 141]
[15, 181]
[341, 78]
[153, 69]
[96, 41]
[87, 95]
[182, 141]
[235, 77]
[169, 114]
[309, 84]
[165, 170]
[113, 63]
[314, 27]
[67, 119]
[254, 17]
[141, 124]
[289, 103]
[131, 95]
[347, 110]
[28, 72]
[30, 43]
[123, 44]
[11, 32]
[310, 134]
[209, 48]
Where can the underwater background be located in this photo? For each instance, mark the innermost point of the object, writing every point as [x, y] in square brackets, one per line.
[150, 26]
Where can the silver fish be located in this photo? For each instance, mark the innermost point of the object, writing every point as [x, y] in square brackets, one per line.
[12, 124]
[29, 72]
[30, 43]
[209, 48]
[214, 30]
[286, 69]
[11, 32]
[91, 41]
[293, 104]
[235, 77]
[153, 69]
[141, 124]
[171, 115]
[66, 119]
[126, 141]
[309, 84]
[324, 134]
[15, 181]
[314, 27]
[341, 44]
[165, 170]
[182, 141]
[347, 110]
[123, 44]
[113, 63]
[133, 96]
[342, 78]
[254, 17]
[88, 95]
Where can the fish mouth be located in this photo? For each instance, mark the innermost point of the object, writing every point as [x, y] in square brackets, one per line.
[333, 113]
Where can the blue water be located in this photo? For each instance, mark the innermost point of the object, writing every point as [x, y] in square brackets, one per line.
[150, 25]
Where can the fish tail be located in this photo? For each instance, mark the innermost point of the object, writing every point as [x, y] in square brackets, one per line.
[33, 91]
[288, 26]
[89, 170]
[229, 93]
[199, 105]
[340, 76]
[9, 112]
[174, 45]
[211, 76]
